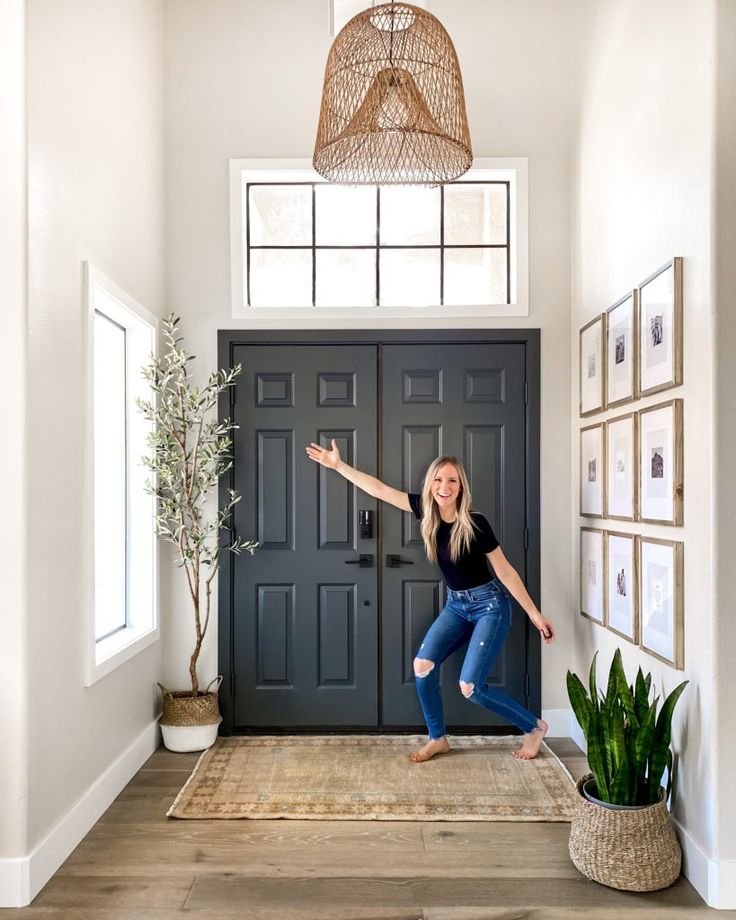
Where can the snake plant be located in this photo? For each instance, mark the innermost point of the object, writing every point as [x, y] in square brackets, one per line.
[628, 743]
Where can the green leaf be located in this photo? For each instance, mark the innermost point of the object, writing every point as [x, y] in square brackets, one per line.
[596, 757]
[662, 737]
[624, 691]
[592, 682]
[580, 701]
[641, 696]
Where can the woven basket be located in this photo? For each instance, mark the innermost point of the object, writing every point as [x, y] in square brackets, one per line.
[633, 850]
[181, 708]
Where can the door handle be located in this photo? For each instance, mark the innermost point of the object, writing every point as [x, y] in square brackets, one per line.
[365, 561]
[393, 561]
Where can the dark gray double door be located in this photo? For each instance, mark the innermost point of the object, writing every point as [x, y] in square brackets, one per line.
[327, 617]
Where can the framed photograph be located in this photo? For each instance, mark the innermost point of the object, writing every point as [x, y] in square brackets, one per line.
[661, 593]
[621, 461]
[622, 594]
[592, 470]
[621, 329]
[660, 464]
[660, 329]
[592, 367]
[591, 574]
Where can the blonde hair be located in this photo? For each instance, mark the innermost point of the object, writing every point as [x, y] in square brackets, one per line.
[463, 528]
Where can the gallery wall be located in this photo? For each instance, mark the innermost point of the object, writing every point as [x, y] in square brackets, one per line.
[644, 191]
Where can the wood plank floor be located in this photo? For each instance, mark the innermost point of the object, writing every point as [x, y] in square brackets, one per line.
[136, 864]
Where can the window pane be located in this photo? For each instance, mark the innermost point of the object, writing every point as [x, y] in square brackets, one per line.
[345, 216]
[280, 215]
[110, 476]
[410, 216]
[475, 277]
[410, 277]
[280, 277]
[475, 214]
[346, 277]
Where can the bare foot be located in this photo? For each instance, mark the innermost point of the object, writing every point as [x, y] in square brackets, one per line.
[432, 747]
[532, 742]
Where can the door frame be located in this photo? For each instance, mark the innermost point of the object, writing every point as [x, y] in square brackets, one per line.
[228, 339]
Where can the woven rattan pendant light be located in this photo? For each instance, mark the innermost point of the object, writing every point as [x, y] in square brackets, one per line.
[393, 110]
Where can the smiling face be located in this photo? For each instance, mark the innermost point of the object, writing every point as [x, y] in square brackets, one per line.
[446, 487]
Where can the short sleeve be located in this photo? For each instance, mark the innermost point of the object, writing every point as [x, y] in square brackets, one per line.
[484, 535]
[415, 500]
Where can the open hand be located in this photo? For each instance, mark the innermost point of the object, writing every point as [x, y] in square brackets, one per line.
[329, 458]
[546, 629]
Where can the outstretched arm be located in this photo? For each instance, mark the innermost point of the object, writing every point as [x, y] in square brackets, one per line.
[365, 482]
[506, 573]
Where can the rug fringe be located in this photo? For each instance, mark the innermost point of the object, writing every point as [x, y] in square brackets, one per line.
[169, 813]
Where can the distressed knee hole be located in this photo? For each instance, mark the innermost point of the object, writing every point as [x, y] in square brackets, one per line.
[422, 667]
[467, 689]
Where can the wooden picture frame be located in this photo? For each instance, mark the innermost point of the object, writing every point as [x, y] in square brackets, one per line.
[593, 470]
[592, 575]
[592, 376]
[622, 585]
[661, 593]
[661, 464]
[660, 329]
[622, 467]
[622, 326]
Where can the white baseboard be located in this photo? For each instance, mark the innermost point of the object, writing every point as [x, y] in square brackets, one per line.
[21, 879]
[714, 880]
[558, 721]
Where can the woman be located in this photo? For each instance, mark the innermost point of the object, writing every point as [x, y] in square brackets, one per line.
[478, 608]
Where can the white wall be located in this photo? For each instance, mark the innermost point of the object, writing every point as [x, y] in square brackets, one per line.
[95, 161]
[724, 373]
[244, 79]
[644, 193]
[13, 225]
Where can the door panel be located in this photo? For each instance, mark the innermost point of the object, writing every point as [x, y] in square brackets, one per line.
[305, 630]
[467, 401]
[307, 650]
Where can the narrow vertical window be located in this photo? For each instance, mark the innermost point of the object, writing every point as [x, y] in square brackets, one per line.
[121, 546]
[111, 471]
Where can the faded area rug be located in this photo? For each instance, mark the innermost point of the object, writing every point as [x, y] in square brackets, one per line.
[370, 777]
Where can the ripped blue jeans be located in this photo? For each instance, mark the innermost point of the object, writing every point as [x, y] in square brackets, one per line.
[481, 615]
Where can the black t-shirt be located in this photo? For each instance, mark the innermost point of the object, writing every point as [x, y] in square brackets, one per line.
[472, 568]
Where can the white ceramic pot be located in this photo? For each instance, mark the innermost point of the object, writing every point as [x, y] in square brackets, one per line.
[181, 738]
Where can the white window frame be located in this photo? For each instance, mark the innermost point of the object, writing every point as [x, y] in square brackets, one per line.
[142, 630]
[513, 169]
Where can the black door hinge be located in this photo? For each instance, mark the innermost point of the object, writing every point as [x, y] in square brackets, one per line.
[231, 394]
[527, 684]
[526, 538]
[526, 393]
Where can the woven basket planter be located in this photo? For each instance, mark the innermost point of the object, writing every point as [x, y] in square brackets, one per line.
[189, 723]
[634, 850]
[181, 708]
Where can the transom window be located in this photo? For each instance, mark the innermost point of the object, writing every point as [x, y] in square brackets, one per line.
[304, 248]
[322, 245]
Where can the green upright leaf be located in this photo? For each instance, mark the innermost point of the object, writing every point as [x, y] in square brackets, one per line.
[592, 683]
[596, 758]
[641, 697]
[580, 701]
[662, 738]
[624, 692]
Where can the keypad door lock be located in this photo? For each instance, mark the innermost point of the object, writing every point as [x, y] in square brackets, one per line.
[365, 520]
